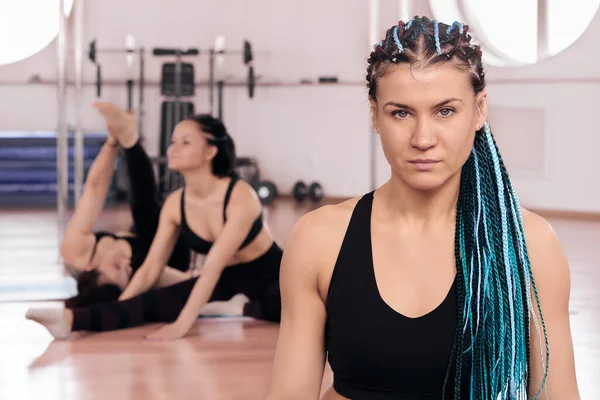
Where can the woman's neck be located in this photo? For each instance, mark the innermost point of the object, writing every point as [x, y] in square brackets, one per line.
[200, 183]
[418, 207]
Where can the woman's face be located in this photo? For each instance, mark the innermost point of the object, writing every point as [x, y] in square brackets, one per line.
[189, 148]
[427, 120]
[113, 264]
[115, 268]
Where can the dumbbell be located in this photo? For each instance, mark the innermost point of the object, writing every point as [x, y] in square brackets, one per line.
[315, 192]
[267, 191]
[301, 191]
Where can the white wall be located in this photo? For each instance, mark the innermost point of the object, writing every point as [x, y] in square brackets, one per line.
[321, 132]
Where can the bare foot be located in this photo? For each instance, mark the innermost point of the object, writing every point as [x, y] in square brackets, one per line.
[234, 307]
[57, 321]
[120, 123]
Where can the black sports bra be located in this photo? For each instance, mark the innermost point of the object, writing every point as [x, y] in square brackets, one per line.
[375, 352]
[138, 251]
[203, 246]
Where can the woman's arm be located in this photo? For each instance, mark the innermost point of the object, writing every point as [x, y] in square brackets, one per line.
[552, 277]
[243, 208]
[171, 276]
[78, 237]
[160, 250]
[300, 354]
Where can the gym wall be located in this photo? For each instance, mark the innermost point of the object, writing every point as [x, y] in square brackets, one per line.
[544, 122]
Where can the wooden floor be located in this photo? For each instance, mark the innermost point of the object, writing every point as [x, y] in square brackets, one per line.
[221, 359]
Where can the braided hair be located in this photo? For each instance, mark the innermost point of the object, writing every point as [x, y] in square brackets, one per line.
[494, 275]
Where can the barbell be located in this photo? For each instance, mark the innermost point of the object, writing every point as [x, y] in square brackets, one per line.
[246, 52]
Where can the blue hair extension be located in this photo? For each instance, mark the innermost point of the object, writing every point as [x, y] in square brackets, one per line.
[408, 24]
[397, 40]
[495, 273]
[436, 30]
[478, 220]
[528, 283]
[456, 24]
[516, 383]
[505, 244]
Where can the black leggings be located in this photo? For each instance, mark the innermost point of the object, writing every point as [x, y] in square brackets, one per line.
[258, 279]
[145, 206]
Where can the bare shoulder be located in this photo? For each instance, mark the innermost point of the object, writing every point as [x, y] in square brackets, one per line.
[243, 194]
[315, 241]
[548, 260]
[326, 222]
[539, 233]
[537, 227]
[171, 209]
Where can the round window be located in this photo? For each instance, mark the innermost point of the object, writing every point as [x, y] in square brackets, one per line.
[520, 32]
[27, 26]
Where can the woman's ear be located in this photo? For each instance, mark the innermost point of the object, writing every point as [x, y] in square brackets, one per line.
[482, 108]
[211, 152]
[373, 112]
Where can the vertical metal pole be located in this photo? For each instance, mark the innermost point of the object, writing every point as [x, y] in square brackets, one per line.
[178, 90]
[373, 35]
[62, 161]
[140, 120]
[129, 55]
[79, 13]
[405, 10]
[542, 29]
[211, 82]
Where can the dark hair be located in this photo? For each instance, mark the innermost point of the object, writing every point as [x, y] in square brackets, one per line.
[224, 162]
[90, 292]
[493, 272]
[426, 43]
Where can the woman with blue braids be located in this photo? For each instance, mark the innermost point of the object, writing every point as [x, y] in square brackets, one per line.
[437, 285]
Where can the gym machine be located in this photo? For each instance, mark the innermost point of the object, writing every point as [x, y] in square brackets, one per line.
[129, 51]
[178, 81]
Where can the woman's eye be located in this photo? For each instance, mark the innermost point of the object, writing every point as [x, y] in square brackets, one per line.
[445, 112]
[400, 114]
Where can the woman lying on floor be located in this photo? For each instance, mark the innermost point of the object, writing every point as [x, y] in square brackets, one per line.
[103, 262]
[218, 215]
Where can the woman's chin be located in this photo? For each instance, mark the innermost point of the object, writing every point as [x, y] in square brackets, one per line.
[174, 166]
[425, 182]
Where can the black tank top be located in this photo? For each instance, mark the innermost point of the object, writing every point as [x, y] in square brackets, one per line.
[203, 246]
[375, 352]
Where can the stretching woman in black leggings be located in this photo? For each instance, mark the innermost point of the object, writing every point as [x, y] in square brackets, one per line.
[218, 215]
[249, 289]
[103, 262]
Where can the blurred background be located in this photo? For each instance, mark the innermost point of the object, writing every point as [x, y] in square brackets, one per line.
[542, 71]
[288, 80]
